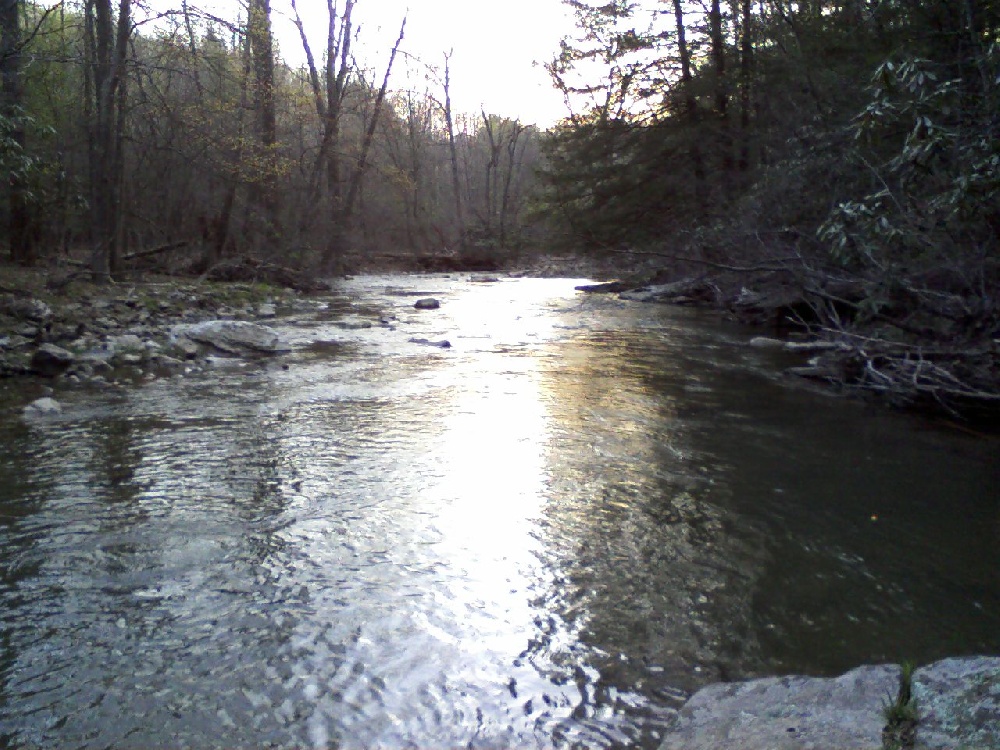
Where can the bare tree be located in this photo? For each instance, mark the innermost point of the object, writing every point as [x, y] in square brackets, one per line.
[108, 44]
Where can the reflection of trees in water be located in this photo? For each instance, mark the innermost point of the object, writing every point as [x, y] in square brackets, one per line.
[654, 584]
[150, 535]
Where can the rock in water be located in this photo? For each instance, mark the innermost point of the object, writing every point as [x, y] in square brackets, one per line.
[43, 407]
[443, 344]
[957, 702]
[50, 360]
[235, 336]
[787, 713]
[427, 303]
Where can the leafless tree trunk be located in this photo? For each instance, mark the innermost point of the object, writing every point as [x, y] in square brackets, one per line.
[347, 210]
[109, 49]
[453, 153]
[690, 101]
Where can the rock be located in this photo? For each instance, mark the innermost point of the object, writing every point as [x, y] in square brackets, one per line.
[127, 342]
[50, 360]
[609, 287]
[353, 325]
[267, 310]
[787, 713]
[185, 348]
[235, 336]
[958, 703]
[14, 342]
[443, 344]
[43, 407]
[24, 308]
[476, 279]
[689, 289]
[427, 303]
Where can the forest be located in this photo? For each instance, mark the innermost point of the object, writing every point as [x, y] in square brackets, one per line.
[829, 165]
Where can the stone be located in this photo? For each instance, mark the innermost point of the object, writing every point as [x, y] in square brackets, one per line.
[185, 348]
[267, 310]
[427, 303]
[483, 279]
[24, 308]
[235, 336]
[50, 360]
[787, 713]
[443, 344]
[958, 703]
[608, 287]
[665, 292]
[126, 342]
[43, 407]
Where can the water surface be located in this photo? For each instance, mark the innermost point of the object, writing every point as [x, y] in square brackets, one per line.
[544, 535]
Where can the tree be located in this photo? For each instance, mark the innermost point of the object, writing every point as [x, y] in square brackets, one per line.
[108, 44]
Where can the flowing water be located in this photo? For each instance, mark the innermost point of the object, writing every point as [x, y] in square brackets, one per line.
[544, 535]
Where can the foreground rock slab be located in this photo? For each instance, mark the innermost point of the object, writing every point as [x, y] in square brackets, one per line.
[957, 701]
[788, 713]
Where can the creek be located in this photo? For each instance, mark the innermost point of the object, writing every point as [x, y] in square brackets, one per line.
[547, 534]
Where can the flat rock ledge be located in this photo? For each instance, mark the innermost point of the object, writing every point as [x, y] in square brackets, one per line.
[958, 703]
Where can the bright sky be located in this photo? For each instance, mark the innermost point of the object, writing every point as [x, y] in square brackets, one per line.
[499, 47]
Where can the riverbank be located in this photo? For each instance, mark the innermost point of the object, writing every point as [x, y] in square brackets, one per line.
[951, 372]
[64, 332]
[932, 352]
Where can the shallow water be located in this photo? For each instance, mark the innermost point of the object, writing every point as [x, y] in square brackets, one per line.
[544, 535]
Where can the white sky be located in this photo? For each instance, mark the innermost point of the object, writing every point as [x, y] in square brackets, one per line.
[499, 47]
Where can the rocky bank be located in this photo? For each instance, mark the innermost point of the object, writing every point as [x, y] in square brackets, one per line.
[957, 705]
[117, 334]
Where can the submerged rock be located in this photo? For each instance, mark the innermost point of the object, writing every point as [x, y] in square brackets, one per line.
[43, 407]
[427, 303]
[442, 344]
[235, 336]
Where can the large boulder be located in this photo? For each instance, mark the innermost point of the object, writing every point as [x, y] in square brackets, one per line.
[50, 360]
[788, 713]
[958, 703]
[235, 336]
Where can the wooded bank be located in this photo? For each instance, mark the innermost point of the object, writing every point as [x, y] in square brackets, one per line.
[836, 161]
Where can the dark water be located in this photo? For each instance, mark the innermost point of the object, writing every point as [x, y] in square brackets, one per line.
[543, 536]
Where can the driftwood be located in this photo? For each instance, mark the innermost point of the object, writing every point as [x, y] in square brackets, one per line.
[155, 250]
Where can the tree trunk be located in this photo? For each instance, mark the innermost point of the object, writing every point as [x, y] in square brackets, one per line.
[690, 102]
[453, 154]
[721, 89]
[746, 81]
[108, 67]
[22, 249]
[262, 59]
